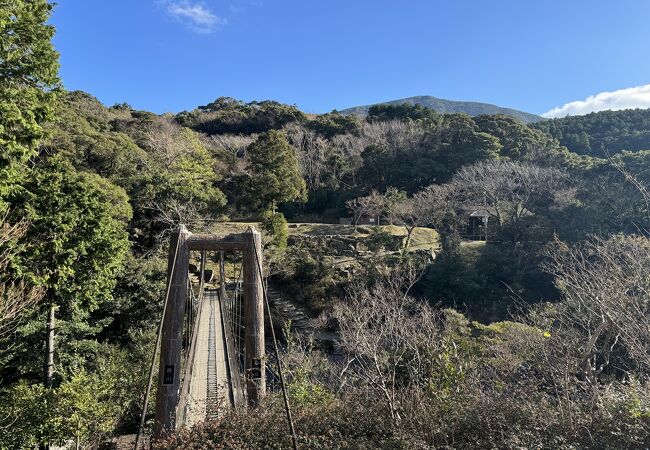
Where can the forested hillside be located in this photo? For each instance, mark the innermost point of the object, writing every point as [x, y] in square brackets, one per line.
[449, 106]
[534, 335]
[601, 133]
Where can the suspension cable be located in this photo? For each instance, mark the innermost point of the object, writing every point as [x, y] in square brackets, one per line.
[155, 351]
[190, 353]
[275, 348]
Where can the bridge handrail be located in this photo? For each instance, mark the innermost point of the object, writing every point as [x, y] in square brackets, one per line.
[181, 411]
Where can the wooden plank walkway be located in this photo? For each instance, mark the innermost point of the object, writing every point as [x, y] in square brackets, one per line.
[209, 382]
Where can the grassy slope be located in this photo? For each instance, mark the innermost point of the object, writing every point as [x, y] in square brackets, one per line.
[421, 238]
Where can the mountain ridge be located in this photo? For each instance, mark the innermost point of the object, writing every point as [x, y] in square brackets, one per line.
[449, 106]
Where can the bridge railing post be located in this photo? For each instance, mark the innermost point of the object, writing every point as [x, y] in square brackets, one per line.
[169, 373]
[254, 319]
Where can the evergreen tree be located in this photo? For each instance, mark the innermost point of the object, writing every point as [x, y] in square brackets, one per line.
[74, 248]
[274, 172]
[28, 83]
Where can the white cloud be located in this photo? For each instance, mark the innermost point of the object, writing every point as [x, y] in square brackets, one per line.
[635, 97]
[195, 15]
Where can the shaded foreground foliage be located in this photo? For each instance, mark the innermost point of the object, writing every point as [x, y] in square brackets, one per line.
[470, 418]
[412, 376]
[445, 382]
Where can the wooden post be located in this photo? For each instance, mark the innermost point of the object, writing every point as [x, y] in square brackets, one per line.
[222, 275]
[172, 335]
[202, 273]
[254, 319]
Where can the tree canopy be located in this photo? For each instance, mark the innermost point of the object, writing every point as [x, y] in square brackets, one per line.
[274, 173]
[601, 133]
[28, 81]
[74, 248]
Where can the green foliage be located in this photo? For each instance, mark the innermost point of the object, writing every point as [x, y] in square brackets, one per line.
[167, 171]
[82, 131]
[137, 298]
[275, 225]
[392, 198]
[77, 409]
[77, 239]
[444, 106]
[403, 111]
[74, 248]
[486, 280]
[608, 202]
[28, 82]
[334, 123]
[308, 276]
[274, 173]
[446, 146]
[88, 406]
[26, 416]
[227, 115]
[595, 133]
[84, 408]
[517, 140]
[302, 391]
[381, 240]
[120, 368]
[460, 142]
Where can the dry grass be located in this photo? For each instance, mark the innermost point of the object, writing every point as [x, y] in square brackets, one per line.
[421, 238]
[470, 251]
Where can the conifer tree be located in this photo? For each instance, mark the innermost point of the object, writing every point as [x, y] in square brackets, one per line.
[28, 84]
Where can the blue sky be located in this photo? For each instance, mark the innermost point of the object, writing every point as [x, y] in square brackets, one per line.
[173, 55]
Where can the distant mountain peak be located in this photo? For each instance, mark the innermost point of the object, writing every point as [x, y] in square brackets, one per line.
[451, 106]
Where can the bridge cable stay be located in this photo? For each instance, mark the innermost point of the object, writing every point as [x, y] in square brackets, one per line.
[233, 361]
[156, 349]
[232, 320]
[276, 351]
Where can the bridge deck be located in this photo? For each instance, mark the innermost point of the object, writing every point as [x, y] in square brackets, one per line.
[209, 384]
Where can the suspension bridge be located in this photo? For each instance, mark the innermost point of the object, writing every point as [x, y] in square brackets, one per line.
[211, 335]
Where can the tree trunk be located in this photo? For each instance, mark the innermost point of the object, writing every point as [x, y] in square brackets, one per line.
[409, 232]
[49, 348]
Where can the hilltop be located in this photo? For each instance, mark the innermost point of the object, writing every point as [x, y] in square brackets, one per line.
[451, 106]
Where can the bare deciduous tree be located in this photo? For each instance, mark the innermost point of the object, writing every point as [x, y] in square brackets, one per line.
[312, 153]
[394, 135]
[510, 190]
[233, 147]
[371, 204]
[232, 144]
[408, 214]
[606, 302]
[167, 140]
[440, 207]
[16, 296]
[389, 339]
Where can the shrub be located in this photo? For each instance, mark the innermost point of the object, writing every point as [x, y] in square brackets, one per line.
[275, 226]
